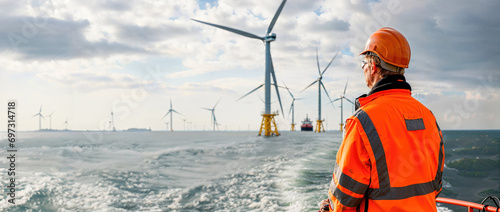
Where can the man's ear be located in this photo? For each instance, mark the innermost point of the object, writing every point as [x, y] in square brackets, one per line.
[374, 68]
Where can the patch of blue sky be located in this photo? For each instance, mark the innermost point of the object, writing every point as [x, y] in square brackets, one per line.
[203, 3]
[257, 15]
[319, 11]
[346, 51]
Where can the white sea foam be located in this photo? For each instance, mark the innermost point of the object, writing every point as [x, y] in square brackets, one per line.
[174, 172]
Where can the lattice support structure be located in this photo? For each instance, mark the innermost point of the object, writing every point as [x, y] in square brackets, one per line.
[319, 126]
[268, 123]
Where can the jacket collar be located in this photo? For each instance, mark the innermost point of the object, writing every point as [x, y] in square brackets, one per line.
[388, 84]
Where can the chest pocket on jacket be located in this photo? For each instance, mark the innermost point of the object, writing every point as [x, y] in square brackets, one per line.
[414, 121]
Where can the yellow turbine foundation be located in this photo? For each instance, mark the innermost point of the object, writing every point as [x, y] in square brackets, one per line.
[341, 127]
[267, 124]
[293, 127]
[319, 126]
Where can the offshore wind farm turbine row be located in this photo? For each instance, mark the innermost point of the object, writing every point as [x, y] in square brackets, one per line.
[268, 121]
[268, 117]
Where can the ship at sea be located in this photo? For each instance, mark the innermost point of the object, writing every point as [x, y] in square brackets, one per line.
[306, 125]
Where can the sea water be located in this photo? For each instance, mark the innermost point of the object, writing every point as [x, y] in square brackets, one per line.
[170, 171]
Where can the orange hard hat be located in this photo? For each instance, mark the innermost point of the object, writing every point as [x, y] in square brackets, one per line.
[390, 45]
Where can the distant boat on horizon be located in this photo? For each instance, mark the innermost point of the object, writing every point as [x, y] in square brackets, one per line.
[306, 124]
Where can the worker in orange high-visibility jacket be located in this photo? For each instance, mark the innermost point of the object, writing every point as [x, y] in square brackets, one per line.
[391, 158]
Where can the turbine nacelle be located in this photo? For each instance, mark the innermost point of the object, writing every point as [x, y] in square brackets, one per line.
[270, 37]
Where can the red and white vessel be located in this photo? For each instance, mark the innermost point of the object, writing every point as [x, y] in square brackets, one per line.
[306, 125]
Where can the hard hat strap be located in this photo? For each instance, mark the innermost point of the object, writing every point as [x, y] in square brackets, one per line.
[387, 66]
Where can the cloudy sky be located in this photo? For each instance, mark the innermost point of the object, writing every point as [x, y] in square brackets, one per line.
[79, 60]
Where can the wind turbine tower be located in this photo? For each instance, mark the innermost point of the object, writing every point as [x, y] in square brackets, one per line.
[113, 121]
[319, 121]
[171, 111]
[341, 98]
[213, 120]
[268, 117]
[40, 116]
[50, 118]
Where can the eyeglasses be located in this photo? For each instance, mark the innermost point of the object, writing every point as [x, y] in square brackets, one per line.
[363, 63]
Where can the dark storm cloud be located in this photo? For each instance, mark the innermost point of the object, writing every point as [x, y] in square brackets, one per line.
[146, 34]
[49, 38]
[458, 45]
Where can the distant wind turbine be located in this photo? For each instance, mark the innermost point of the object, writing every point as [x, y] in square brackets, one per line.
[66, 123]
[50, 118]
[341, 98]
[167, 125]
[319, 122]
[40, 116]
[267, 117]
[113, 121]
[213, 120]
[292, 107]
[171, 111]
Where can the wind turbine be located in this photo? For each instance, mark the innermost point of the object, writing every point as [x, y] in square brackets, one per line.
[267, 117]
[292, 107]
[40, 116]
[167, 125]
[66, 123]
[50, 118]
[113, 121]
[319, 122]
[171, 111]
[341, 98]
[213, 120]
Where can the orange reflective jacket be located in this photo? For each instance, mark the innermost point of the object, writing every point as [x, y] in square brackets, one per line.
[391, 158]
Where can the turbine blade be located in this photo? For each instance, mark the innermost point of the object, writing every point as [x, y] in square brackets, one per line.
[40, 109]
[165, 115]
[42, 117]
[317, 61]
[239, 32]
[288, 90]
[275, 18]
[349, 101]
[35, 115]
[261, 99]
[260, 86]
[291, 106]
[310, 85]
[276, 85]
[335, 100]
[217, 103]
[321, 83]
[298, 99]
[345, 87]
[330, 63]
[171, 104]
[206, 108]
[177, 112]
[215, 119]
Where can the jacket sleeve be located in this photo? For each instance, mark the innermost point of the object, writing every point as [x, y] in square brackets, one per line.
[351, 175]
[439, 174]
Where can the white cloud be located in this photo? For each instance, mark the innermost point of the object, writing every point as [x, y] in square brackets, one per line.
[102, 46]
